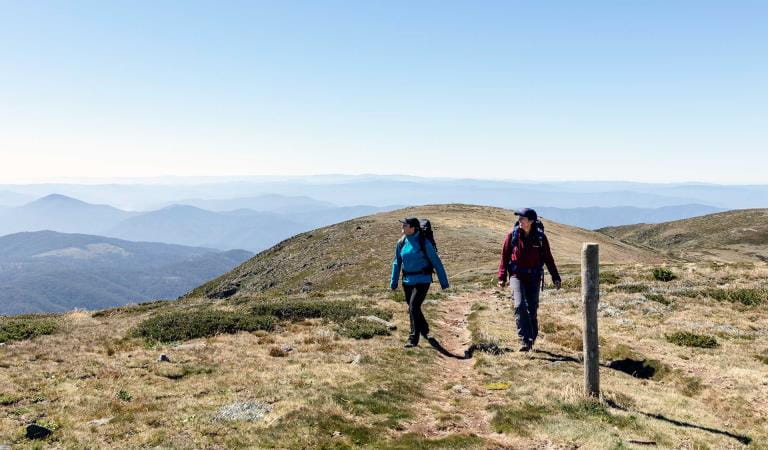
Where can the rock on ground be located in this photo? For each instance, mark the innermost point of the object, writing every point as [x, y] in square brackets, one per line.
[248, 411]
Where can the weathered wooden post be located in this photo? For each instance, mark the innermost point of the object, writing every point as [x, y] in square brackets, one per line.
[590, 294]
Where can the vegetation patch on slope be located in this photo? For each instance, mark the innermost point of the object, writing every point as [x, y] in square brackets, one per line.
[184, 325]
[25, 327]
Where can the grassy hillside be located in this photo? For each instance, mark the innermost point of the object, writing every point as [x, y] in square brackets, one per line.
[358, 252]
[740, 235]
[683, 346]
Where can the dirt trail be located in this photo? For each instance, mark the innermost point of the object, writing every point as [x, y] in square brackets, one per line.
[458, 402]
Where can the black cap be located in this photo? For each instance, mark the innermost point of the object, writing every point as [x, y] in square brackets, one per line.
[411, 221]
[528, 213]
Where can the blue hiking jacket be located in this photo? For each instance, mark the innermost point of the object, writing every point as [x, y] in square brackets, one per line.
[410, 258]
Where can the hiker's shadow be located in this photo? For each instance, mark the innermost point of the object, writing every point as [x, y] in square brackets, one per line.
[444, 351]
[492, 349]
[553, 357]
[746, 440]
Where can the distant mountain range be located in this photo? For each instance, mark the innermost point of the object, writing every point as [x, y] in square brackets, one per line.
[47, 271]
[377, 190]
[277, 218]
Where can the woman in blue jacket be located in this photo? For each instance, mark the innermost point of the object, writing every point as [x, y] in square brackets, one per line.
[417, 258]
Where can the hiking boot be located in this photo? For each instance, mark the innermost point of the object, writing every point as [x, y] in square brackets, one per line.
[525, 347]
[410, 344]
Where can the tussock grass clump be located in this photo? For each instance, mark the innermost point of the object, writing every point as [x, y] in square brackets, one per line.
[517, 419]
[658, 298]
[635, 288]
[608, 278]
[8, 399]
[391, 404]
[745, 296]
[565, 335]
[363, 329]
[662, 274]
[25, 327]
[415, 440]
[334, 311]
[181, 326]
[687, 293]
[278, 352]
[688, 339]
[593, 409]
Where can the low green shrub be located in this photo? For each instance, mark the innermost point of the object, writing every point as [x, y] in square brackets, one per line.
[363, 329]
[745, 296]
[335, 311]
[609, 278]
[8, 399]
[630, 288]
[687, 293]
[688, 339]
[27, 327]
[124, 396]
[662, 274]
[659, 298]
[181, 326]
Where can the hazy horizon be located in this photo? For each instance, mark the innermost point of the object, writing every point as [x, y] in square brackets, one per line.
[213, 178]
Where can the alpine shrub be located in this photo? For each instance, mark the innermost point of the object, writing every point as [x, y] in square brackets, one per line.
[687, 339]
[19, 329]
[334, 311]
[745, 296]
[181, 326]
[662, 274]
[363, 329]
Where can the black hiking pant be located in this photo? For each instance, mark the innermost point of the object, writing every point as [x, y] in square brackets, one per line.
[414, 297]
[526, 298]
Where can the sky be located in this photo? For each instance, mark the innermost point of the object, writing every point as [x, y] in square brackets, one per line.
[653, 91]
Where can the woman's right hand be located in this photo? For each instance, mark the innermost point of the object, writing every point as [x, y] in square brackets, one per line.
[502, 283]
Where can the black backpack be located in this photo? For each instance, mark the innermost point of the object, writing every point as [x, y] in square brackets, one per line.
[425, 234]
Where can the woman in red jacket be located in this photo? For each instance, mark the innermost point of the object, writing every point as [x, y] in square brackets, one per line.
[525, 252]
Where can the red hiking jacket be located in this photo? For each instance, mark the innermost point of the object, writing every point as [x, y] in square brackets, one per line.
[527, 254]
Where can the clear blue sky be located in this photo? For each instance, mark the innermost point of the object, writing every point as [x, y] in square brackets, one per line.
[568, 90]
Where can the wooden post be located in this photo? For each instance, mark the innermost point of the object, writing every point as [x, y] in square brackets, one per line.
[590, 294]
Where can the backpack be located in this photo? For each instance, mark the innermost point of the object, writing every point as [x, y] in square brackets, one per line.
[425, 234]
[538, 230]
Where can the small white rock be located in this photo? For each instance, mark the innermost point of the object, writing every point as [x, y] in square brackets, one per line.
[99, 422]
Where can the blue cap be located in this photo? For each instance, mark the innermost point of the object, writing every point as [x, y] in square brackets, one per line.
[528, 213]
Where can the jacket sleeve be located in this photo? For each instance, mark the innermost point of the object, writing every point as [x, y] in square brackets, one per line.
[397, 262]
[506, 254]
[437, 264]
[550, 261]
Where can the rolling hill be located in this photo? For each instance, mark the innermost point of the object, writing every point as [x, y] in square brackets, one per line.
[302, 347]
[47, 271]
[740, 235]
[359, 252]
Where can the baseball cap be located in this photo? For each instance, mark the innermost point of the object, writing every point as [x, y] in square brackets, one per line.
[527, 213]
[411, 221]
